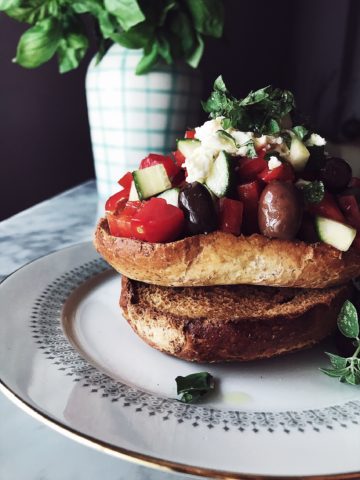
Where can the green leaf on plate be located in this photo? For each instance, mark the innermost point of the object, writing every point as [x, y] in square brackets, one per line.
[348, 322]
[194, 386]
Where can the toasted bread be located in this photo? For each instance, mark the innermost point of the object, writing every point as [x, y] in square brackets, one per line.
[230, 323]
[224, 259]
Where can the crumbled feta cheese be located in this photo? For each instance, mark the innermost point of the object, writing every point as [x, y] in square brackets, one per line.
[198, 164]
[208, 129]
[315, 140]
[273, 162]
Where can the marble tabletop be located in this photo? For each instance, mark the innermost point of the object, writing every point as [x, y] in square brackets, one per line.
[30, 450]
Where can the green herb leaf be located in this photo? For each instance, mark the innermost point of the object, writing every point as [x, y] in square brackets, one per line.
[31, 11]
[148, 60]
[5, 4]
[335, 372]
[352, 377]
[128, 12]
[260, 111]
[208, 16]
[250, 152]
[71, 51]
[194, 386]
[337, 361]
[194, 58]
[227, 138]
[313, 191]
[300, 131]
[348, 322]
[39, 43]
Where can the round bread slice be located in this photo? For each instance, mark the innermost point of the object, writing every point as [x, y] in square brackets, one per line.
[223, 259]
[230, 323]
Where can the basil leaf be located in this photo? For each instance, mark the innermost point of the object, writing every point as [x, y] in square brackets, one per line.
[128, 12]
[5, 4]
[208, 16]
[272, 126]
[85, 6]
[300, 131]
[352, 377]
[71, 51]
[31, 11]
[337, 361]
[250, 152]
[313, 192]
[164, 49]
[226, 123]
[194, 58]
[180, 25]
[194, 386]
[148, 60]
[39, 43]
[219, 84]
[348, 322]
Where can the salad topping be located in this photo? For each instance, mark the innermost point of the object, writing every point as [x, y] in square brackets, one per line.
[246, 170]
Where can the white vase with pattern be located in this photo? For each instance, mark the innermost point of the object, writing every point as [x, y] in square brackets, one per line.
[133, 115]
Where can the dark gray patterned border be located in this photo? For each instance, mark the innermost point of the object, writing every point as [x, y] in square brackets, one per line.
[48, 334]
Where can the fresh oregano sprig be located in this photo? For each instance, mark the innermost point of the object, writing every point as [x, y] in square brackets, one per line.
[347, 369]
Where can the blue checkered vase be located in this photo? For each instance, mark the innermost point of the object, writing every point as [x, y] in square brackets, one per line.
[133, 115]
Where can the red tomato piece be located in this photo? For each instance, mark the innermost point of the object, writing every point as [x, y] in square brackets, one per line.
[249, 194]
[249, 168]
[327, 208]
[190, 134]
[350, 208]
[283, 172]
[231, 213]
[117, 201]
[120, 223]
[154, 159]
[179, 158]
[126, 180]
[179, 179]
[157, 221]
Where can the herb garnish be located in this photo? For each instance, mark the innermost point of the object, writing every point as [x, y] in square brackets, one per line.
[347, 369]
[313, 191]
[301, 131]
[194, 386]
[260, 112]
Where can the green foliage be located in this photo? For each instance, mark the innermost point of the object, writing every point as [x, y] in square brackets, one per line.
[166, 30]
[301, 131]
[260, 112]
[347, 369]
[194, 386]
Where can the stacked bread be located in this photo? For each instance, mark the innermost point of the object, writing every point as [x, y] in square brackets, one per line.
[218, 297]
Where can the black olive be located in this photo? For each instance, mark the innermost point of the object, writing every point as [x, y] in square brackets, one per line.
[336, 174]
[317, 159]
[199, 209]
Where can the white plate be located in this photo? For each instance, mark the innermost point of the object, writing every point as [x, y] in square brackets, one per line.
[69, 358]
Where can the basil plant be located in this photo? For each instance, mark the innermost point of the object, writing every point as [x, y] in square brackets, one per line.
[166, 30]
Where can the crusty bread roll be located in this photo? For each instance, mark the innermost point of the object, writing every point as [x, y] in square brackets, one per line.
[230, 323]
[224, 259]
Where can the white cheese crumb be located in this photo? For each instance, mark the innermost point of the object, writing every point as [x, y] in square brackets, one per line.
[274, 162]
[315, 140]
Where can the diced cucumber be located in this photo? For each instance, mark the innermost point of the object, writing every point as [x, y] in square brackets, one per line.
[133, 195]
[187, 145]
[335, 233]
[171, 196]
[219, 178]
[298, 155]
[150, 181]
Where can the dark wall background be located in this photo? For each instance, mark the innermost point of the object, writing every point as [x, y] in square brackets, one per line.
[309, 46]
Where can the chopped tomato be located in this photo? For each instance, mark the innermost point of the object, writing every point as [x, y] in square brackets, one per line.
[120, 223]
[117, 200]
[249, 194]
[248, 168]
[231, 213]
[154, 159]
[327, 208]
[283, 172]
[190, 134]
[157, 221]
[179, 158]
[126, 180]
[354, 182]
[350, 208]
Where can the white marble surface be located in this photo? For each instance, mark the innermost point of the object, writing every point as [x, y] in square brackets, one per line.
[30, 450]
